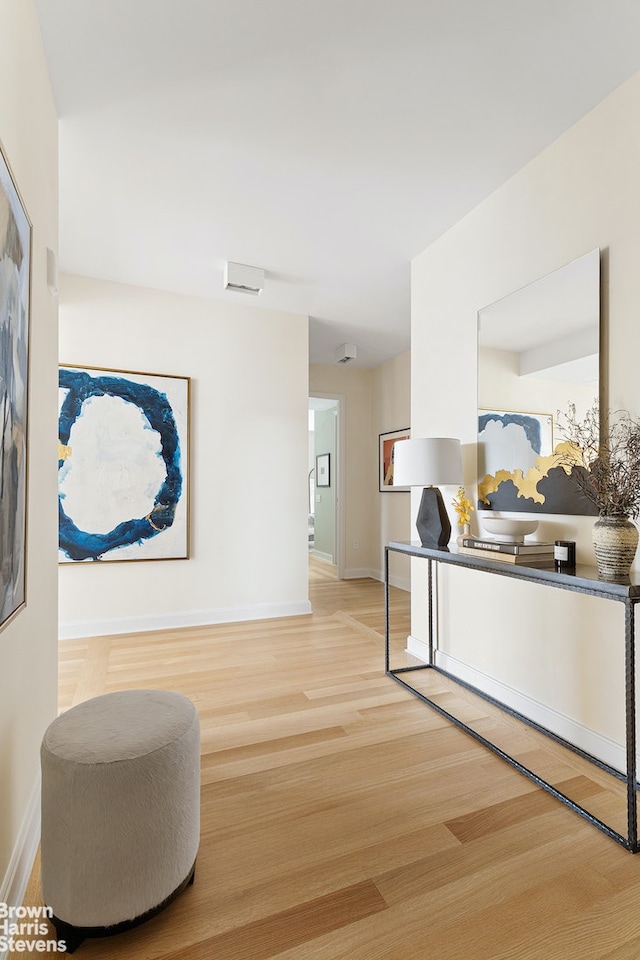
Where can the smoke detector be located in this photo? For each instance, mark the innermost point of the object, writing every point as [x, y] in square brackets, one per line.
[242, 278]
[346, 352]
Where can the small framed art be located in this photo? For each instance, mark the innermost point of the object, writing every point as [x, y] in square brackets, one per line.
[387, 442]
[323, 470]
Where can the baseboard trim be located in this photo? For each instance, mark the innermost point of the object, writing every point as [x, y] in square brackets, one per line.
[402, 583]
[171, 621]
[16, 878]
[418, 648]
[320, 555]
[359, 573]
[605, 749]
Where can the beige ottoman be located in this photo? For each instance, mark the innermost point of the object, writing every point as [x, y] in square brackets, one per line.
[120, 810]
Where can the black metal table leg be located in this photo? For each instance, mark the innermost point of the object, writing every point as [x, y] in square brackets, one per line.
[630, 707]
[386, 610]
[431, 612]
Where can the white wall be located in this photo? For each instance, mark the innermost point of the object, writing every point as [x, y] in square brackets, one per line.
[501, 388]
[28, 644]
[375, 401]
[249, 437]
[582, 192]
[391, 410]
[353, 385]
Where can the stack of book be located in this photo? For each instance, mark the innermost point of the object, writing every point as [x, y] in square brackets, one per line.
[527, 554]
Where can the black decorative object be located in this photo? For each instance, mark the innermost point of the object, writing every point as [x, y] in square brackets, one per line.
[432, 522]
[564, 555]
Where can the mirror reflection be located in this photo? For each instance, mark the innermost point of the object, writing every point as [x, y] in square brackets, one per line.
[538, 351]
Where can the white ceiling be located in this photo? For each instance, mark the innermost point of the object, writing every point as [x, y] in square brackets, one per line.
[325, 141]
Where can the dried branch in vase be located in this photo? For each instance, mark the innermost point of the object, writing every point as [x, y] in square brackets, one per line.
[610, 455]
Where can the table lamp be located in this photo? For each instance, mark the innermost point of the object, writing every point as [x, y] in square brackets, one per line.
[427, 462]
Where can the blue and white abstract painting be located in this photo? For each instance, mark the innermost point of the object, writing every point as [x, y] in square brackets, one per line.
[123, 456]
[512, 441]
[15, 265]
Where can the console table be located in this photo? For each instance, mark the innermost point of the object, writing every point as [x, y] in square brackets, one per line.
[584, 580]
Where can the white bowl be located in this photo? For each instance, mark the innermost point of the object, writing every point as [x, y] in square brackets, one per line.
[508, 529]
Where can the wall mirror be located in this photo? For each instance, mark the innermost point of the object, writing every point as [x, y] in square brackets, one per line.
[538, 351]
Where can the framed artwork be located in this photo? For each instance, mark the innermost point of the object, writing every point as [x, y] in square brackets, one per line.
[15, 284]
[517, 467]
[386, 443]
[123, 465]
[323, 470]
[513, 441]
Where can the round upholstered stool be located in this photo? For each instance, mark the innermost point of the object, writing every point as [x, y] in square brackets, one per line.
[120, 810]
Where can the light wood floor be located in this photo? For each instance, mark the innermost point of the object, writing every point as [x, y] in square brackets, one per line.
[320, 570]
[342, 819]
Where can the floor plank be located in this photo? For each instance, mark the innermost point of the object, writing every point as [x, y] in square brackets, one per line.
[342, 819]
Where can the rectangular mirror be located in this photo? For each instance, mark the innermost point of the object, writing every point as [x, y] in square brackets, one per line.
[538, 351]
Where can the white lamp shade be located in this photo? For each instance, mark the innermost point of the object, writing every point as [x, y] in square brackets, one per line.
[427, 461]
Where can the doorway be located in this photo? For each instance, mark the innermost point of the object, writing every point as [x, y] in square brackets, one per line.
[324, 480]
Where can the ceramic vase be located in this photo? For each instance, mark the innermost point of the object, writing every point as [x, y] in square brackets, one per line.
[466, 532]
[615, 540]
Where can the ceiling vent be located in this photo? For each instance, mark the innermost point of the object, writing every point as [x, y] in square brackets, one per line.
[346, 352]
[242, 278]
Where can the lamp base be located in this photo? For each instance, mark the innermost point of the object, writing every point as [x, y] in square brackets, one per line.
[432, 522]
